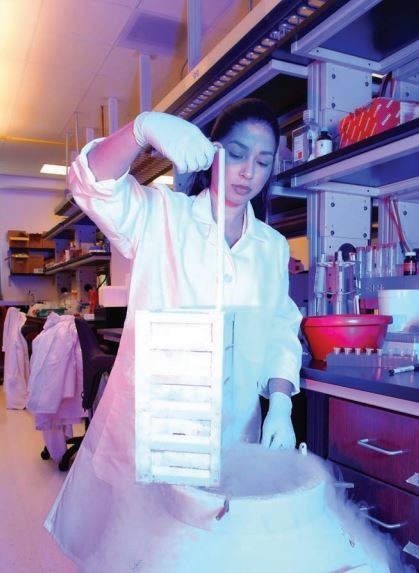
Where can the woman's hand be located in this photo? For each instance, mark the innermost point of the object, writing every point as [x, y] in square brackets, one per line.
[277, 430]
[182, 142]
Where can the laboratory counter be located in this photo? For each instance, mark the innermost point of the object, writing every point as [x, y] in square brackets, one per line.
[366, 423]
[333, 380]
[373, 386]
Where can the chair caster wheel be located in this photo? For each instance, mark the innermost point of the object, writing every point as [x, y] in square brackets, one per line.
[45, 455]
[63, 466]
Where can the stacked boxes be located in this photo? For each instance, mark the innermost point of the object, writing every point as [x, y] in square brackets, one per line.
[22, 259]
[25, 263]
[184, 395]
[19, 263]
[18, 239]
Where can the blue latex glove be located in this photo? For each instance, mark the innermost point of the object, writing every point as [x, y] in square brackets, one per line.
[277, 430]
[182, 142]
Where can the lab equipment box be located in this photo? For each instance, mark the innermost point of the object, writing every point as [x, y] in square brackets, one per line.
[184, 395]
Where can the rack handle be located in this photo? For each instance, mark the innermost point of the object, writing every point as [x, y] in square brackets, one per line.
[220, 226]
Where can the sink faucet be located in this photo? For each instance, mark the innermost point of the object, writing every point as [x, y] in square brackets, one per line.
[31, 296]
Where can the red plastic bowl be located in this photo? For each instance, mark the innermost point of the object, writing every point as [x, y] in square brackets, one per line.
[323, 333]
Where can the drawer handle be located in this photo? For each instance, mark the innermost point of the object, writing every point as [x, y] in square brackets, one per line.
[412, 549]
[365, 443]
[344, 484]
[382, 524]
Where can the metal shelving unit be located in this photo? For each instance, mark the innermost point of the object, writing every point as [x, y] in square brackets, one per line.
[372, 35]
[385, 164]
[64, 230]
[90, 259]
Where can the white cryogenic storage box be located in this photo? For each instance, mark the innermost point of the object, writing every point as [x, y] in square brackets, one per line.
[183, 395]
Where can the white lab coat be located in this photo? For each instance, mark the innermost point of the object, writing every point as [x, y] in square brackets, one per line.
[56, 382]
[16, 360]
[171, 240]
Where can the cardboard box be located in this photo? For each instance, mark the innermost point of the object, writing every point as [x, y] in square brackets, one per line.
[18, 263]
[24, 263]
[18, 238]
[48, 244]
[35, 240]
[381, 114]
[35, 264]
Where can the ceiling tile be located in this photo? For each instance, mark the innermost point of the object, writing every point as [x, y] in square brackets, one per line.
[87, 19]
[68, 50]
[17, 21]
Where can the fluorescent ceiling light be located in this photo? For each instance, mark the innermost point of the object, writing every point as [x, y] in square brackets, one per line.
[166, 179]
[54, 169]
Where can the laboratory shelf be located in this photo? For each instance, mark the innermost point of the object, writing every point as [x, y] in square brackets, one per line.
[372, 35]
[63, 230]
[28, 274]
[89, 259]
[67, 207]
[26, 249]
[384, 164]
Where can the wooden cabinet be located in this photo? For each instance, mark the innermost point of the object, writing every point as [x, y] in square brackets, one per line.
[377, 450]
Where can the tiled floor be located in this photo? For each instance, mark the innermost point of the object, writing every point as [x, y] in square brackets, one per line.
[28, 486]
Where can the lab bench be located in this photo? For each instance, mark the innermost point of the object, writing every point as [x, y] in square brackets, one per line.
[366, 423]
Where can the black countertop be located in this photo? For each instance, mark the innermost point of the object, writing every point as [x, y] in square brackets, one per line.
[404, 386]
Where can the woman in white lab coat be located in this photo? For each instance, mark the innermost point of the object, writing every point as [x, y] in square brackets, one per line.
[171, 240]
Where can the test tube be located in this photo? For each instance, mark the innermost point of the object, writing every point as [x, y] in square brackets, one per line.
[369, 261]
[360, 262]
[378, 269]
[391, 259]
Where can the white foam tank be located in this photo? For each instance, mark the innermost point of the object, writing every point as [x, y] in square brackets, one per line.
[402, 305]
[273, 512]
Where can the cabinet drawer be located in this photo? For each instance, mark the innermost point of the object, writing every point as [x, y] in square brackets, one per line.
[397, 511]
[380, 443]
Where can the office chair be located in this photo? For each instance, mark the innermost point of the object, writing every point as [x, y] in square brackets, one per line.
[95, 363]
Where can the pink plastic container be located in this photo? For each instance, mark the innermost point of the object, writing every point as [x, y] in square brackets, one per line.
[323, 333]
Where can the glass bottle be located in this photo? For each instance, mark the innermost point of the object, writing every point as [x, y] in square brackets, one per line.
[409, 263]
[324, 143]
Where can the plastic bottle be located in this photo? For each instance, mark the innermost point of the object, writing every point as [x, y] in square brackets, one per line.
[409, 263]
[324, 143]
[312, 132]
[283, 159]
[304, 139]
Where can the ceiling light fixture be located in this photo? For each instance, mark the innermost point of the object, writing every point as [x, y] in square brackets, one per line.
[305, 11]
[51, 169]
[166, 179]
[259, 49]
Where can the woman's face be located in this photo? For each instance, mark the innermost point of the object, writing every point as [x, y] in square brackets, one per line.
[250, 152]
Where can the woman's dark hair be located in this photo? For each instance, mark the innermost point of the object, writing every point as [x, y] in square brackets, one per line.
[239, 112]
